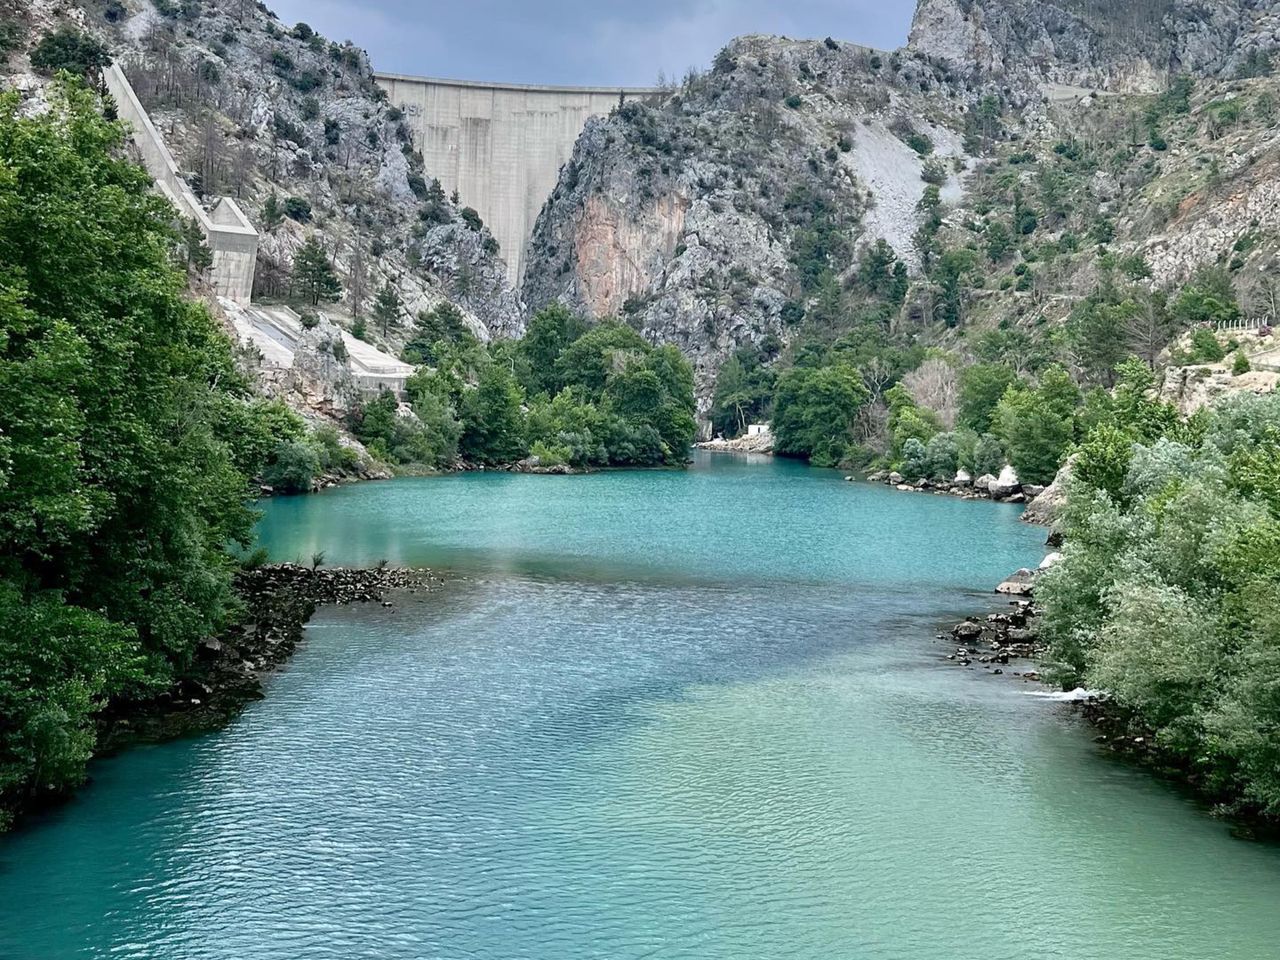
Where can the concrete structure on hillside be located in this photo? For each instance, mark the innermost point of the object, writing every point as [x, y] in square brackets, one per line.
[227, 230]
[500, 145]
[280, 336]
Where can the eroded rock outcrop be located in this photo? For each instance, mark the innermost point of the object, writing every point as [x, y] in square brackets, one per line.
[687, 217]
[1134, 46]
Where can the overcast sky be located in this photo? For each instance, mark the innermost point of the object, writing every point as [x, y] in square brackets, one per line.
[581, 41]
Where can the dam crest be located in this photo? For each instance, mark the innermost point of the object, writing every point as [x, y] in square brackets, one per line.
[500, 145]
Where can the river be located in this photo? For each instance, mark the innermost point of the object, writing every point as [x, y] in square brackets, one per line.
[650, 714]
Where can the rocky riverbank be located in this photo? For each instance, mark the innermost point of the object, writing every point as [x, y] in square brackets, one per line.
[761, 441]
[1043, 503]
[229, 671]
[1006, 488]
[1007, 643]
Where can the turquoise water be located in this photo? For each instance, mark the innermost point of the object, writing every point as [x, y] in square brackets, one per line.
[677, 715]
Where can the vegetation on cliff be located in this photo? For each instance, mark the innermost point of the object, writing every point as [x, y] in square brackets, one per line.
[127, 440]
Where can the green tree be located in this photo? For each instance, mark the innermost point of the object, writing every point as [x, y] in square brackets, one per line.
[434, 331]
[272, 213]
[1098, 332]
[1104, 458]
[743, 392]
[69, 49]
[814, 411]
[313, 273]
[550, 331]
[1037, 426]
[387, 307]
[492, 419]
[588, 360]
[988, 456]
[126, 442]
[293, 467]
[981, 387]
[998, 241]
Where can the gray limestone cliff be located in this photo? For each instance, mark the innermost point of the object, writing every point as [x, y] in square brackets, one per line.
[702, 218]
[253, 108]
[1129, 46]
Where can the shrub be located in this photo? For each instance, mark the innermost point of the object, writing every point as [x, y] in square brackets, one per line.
[915, 459]
[988, 456]
[68, 49]
[919, 142]
[297, 208]
[293, 467]
[1205, 347]
[934, 171]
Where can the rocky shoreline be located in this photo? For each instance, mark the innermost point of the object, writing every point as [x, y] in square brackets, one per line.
[229, 671]
[1005, 488]
[1006, 643]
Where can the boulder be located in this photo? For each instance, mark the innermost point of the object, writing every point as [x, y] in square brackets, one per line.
[1032, 490]
[983, 484]
[1005, 485]
[880, 476]
[1018, 584]
[1046, 507]
[896, 478]
[962, 479]
[1050, 560]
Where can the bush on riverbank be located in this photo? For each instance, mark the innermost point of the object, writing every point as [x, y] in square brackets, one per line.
[1166, 595]
[127, 440]
[570, 392]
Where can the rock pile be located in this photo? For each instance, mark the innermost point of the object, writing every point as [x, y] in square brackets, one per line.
[1005, 488]
[997, 640]
[228, 670]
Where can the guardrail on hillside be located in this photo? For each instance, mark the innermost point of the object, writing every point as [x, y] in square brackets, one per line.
[1243, 324]
[227, 230]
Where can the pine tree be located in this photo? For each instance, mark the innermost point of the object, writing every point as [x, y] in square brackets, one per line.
[313, 272]
[386, 307]
[272, 214]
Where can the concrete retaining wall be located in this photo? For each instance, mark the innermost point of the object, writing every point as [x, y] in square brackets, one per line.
[227, 230]
[500, 146]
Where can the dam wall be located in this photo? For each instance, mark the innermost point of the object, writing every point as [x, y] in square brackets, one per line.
[500, 145]
[230, 236]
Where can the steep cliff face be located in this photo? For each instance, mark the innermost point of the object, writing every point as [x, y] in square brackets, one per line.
[706, 219]
[1130, 46]
[703, 219]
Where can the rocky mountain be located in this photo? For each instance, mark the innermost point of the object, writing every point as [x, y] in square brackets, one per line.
[989, 176]
[293, 126]
[1130, 46]
[1010, 156]
[710, 218]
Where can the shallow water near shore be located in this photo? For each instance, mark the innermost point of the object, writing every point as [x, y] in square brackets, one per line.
[687, 715]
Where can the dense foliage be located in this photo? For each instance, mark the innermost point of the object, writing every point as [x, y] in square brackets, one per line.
[568, 393]
[126, 438]
[1166, 595]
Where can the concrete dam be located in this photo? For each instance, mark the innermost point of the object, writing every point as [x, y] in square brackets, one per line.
[500, 145]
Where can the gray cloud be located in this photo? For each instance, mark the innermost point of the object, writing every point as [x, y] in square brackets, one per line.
[581, 41]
